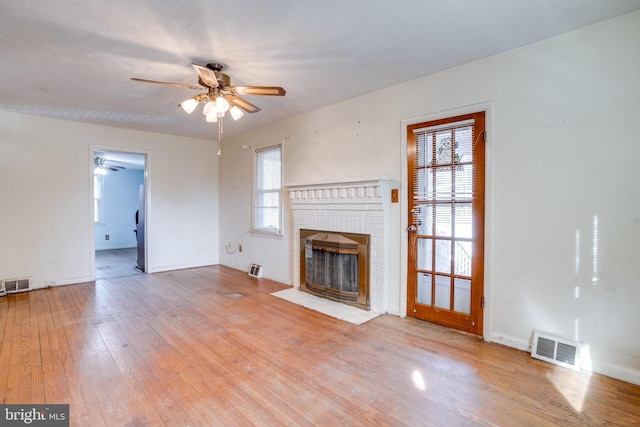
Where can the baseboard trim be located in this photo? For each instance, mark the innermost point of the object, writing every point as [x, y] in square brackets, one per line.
[624, 374]
[76, 281]
[620, 373]
[265, 274]
[510, 342]
[165, 268]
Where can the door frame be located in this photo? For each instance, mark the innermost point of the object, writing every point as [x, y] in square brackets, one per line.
[92, 234]
[487, 107]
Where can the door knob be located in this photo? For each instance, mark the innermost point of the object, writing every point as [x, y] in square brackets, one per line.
[412, 228]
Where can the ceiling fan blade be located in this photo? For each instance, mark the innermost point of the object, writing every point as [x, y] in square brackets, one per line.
[207, 76]
[111, 168]
[166, 83]
[242, 103]
[259, 90]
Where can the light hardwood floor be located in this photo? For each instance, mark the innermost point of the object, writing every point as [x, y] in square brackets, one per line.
[210, 346]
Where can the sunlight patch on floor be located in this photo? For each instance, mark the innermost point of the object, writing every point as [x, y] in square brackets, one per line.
[418, 380]
[573, 385]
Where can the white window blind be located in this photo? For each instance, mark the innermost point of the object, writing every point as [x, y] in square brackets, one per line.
[444, 163]
[443, 196]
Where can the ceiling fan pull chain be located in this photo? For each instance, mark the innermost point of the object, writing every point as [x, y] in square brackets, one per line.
[220, 130]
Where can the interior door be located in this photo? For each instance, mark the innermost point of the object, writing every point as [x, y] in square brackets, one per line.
[446, 216]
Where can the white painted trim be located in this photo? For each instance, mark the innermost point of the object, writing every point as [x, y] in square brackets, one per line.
[147, 197]
[184, 266]
[244, 267]
[397, 313]
[617, 372]
[510, 342]
[46, 284]
[609, 370]
[342, 183]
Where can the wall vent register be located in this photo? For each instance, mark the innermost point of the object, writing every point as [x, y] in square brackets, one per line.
[255, 270]
[15, 285]
[555, 350]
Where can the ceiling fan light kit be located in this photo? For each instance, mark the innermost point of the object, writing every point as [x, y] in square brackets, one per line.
[189, 105]
[236, 112]
[221, 96]
[100, 166]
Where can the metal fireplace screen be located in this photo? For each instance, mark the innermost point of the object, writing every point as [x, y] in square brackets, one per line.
[335, 266]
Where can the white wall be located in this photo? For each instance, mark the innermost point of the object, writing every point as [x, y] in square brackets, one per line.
[120, 203]
[563, 154]
[46, 173]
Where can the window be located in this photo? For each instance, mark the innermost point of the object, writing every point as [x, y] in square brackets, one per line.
[98, 184]
[267, 197]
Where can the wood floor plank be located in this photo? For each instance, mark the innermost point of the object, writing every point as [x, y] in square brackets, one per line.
[211, 346]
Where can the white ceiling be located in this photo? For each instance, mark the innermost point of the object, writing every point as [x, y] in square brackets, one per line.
[73, 59]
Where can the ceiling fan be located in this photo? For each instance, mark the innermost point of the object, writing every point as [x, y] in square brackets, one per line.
[220, 95]
[100, 166]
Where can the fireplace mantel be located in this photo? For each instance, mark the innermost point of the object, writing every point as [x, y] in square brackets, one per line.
[352, 206]
[358, 189]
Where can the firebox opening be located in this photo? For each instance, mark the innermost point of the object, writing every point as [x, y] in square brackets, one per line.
[334, 265]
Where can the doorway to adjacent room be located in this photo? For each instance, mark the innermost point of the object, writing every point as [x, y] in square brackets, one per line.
[118, 213]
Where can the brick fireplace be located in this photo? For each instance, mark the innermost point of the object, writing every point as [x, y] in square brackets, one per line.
[363, 207]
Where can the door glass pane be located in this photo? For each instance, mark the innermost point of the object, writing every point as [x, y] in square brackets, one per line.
[424, 184]
[462, 293]
[443, 220]
[443, 292]
[462, 258]
[424, 149]
[464, 144]
[425, 254]
[423, 295]
[443, 183]
[463, 222]
[443, 256]
[464, 182]
[444, 149]
[424, 219]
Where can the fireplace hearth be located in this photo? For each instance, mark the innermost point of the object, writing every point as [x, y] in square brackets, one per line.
[335, 265]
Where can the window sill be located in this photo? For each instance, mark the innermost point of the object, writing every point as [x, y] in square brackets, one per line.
[267, 233]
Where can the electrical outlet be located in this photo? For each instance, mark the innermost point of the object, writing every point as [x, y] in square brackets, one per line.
[106, 237]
